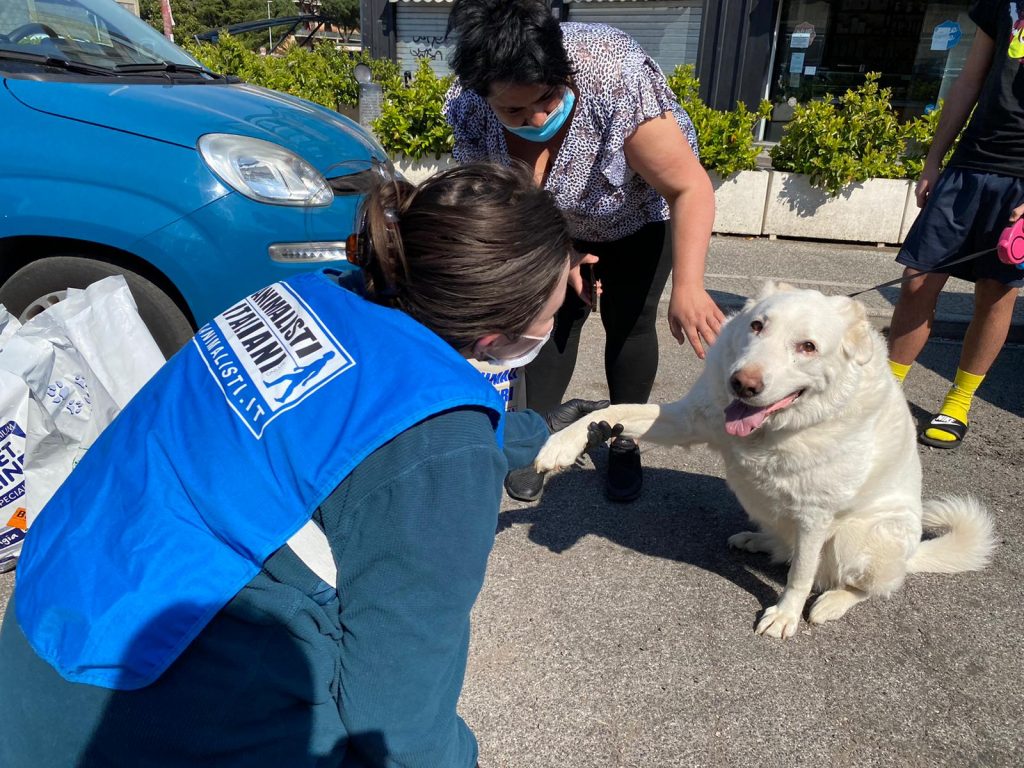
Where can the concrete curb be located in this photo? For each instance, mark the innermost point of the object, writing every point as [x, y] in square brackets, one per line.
[947, 325]
[737, 267]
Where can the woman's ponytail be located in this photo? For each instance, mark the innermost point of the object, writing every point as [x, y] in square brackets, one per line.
[472, 250]
[378, 247]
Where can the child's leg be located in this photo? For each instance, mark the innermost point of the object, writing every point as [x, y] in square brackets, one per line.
[993, 313]
[912, 317]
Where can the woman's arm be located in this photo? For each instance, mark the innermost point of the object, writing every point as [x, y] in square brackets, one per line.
[659, 152]
[525, 434]
[411, 530]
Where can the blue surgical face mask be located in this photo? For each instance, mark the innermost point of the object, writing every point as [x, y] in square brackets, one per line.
[556, 119]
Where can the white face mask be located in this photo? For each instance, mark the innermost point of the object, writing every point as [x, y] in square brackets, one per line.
[525, 358]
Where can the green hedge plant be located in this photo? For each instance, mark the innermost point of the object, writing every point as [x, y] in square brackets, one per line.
[322, 75]
[920, 135]
[411, 122]
[854, 138]
[725, 137]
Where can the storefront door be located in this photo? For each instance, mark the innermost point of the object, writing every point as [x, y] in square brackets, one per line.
[824, 47]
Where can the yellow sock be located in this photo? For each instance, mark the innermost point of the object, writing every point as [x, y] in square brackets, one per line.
[957, 402]
[899, 370]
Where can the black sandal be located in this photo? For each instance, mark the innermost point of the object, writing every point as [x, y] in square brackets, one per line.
[948, 424]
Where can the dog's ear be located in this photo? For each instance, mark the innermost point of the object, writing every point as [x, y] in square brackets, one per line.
[771, 287]
[858, 342]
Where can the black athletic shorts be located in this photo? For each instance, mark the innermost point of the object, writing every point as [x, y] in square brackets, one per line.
[965, 213]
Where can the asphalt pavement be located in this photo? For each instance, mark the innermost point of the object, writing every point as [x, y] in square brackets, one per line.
[622, 635]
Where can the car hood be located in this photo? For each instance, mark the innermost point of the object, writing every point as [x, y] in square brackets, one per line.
[180, 113]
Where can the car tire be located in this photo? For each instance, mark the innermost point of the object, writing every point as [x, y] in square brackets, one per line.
[43, 282]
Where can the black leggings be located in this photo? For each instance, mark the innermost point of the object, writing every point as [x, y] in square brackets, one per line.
[633, 272]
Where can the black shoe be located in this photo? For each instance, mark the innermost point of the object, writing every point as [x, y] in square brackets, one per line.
[524, 484]
[625, 475]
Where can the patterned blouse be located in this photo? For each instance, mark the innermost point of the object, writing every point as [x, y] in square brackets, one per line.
[619, 88]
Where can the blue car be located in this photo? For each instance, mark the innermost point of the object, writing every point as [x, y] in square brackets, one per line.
[120, 154]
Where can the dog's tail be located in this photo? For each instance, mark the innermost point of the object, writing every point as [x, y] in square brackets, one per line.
[966, 545]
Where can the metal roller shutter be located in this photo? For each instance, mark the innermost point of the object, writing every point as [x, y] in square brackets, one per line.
[669, 30]
[419, 33]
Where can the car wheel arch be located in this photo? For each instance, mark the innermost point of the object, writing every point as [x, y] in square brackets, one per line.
[20, 252]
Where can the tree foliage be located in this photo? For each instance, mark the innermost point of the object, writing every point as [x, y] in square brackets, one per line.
[342, 13]
[193, 17]
[836, 143]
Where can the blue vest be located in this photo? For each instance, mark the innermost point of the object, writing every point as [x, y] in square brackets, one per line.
[215, 463]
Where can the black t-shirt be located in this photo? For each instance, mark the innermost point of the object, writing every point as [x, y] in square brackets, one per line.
[994, 139]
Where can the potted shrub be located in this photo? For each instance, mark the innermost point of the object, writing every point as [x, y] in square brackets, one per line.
[843, 169]
[412, 128]
[728, 153]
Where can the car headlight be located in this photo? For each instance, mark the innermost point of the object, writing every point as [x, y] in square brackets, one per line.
[264, 171]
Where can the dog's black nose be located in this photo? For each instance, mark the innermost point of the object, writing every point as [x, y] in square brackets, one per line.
[746, 383]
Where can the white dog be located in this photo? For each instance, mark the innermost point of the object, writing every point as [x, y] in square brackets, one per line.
[819, 447]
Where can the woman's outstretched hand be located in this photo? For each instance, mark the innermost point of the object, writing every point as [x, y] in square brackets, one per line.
[694, 317]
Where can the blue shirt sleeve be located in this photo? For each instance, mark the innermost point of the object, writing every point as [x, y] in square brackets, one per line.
[411, 530]
[525, 434]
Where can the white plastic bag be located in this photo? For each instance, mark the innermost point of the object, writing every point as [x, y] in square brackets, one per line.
[13, 423]
[103, 324]
[82, 361]
[9, 325]
[14, 401]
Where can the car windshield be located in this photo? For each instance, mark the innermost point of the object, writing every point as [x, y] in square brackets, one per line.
[92, 36]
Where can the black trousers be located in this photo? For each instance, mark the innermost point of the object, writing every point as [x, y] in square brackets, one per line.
[633, 272]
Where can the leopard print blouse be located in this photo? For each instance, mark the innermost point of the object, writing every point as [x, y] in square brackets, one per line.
[619, 87]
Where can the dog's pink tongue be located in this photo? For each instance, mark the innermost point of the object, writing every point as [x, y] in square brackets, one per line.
[742, 419]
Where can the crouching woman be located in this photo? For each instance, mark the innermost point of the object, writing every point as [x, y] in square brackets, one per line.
[270, 557]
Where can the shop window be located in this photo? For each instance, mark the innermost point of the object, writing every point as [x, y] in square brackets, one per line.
[825, 47]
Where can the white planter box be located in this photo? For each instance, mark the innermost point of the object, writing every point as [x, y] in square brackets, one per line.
[418, 170]
[740, 202]
[910, 212]
[871, 212]
[778, 203]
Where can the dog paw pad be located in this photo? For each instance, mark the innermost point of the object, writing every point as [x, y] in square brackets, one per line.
[778, 623]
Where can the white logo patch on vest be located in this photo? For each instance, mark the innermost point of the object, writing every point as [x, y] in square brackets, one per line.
[268, 352]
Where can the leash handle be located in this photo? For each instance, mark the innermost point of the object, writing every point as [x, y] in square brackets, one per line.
[1011, 244]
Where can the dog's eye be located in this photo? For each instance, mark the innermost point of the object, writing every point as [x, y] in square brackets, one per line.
[757, 326]
[807, 347]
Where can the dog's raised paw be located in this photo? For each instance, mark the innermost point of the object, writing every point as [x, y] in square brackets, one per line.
[777, 622]
[561, 449]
